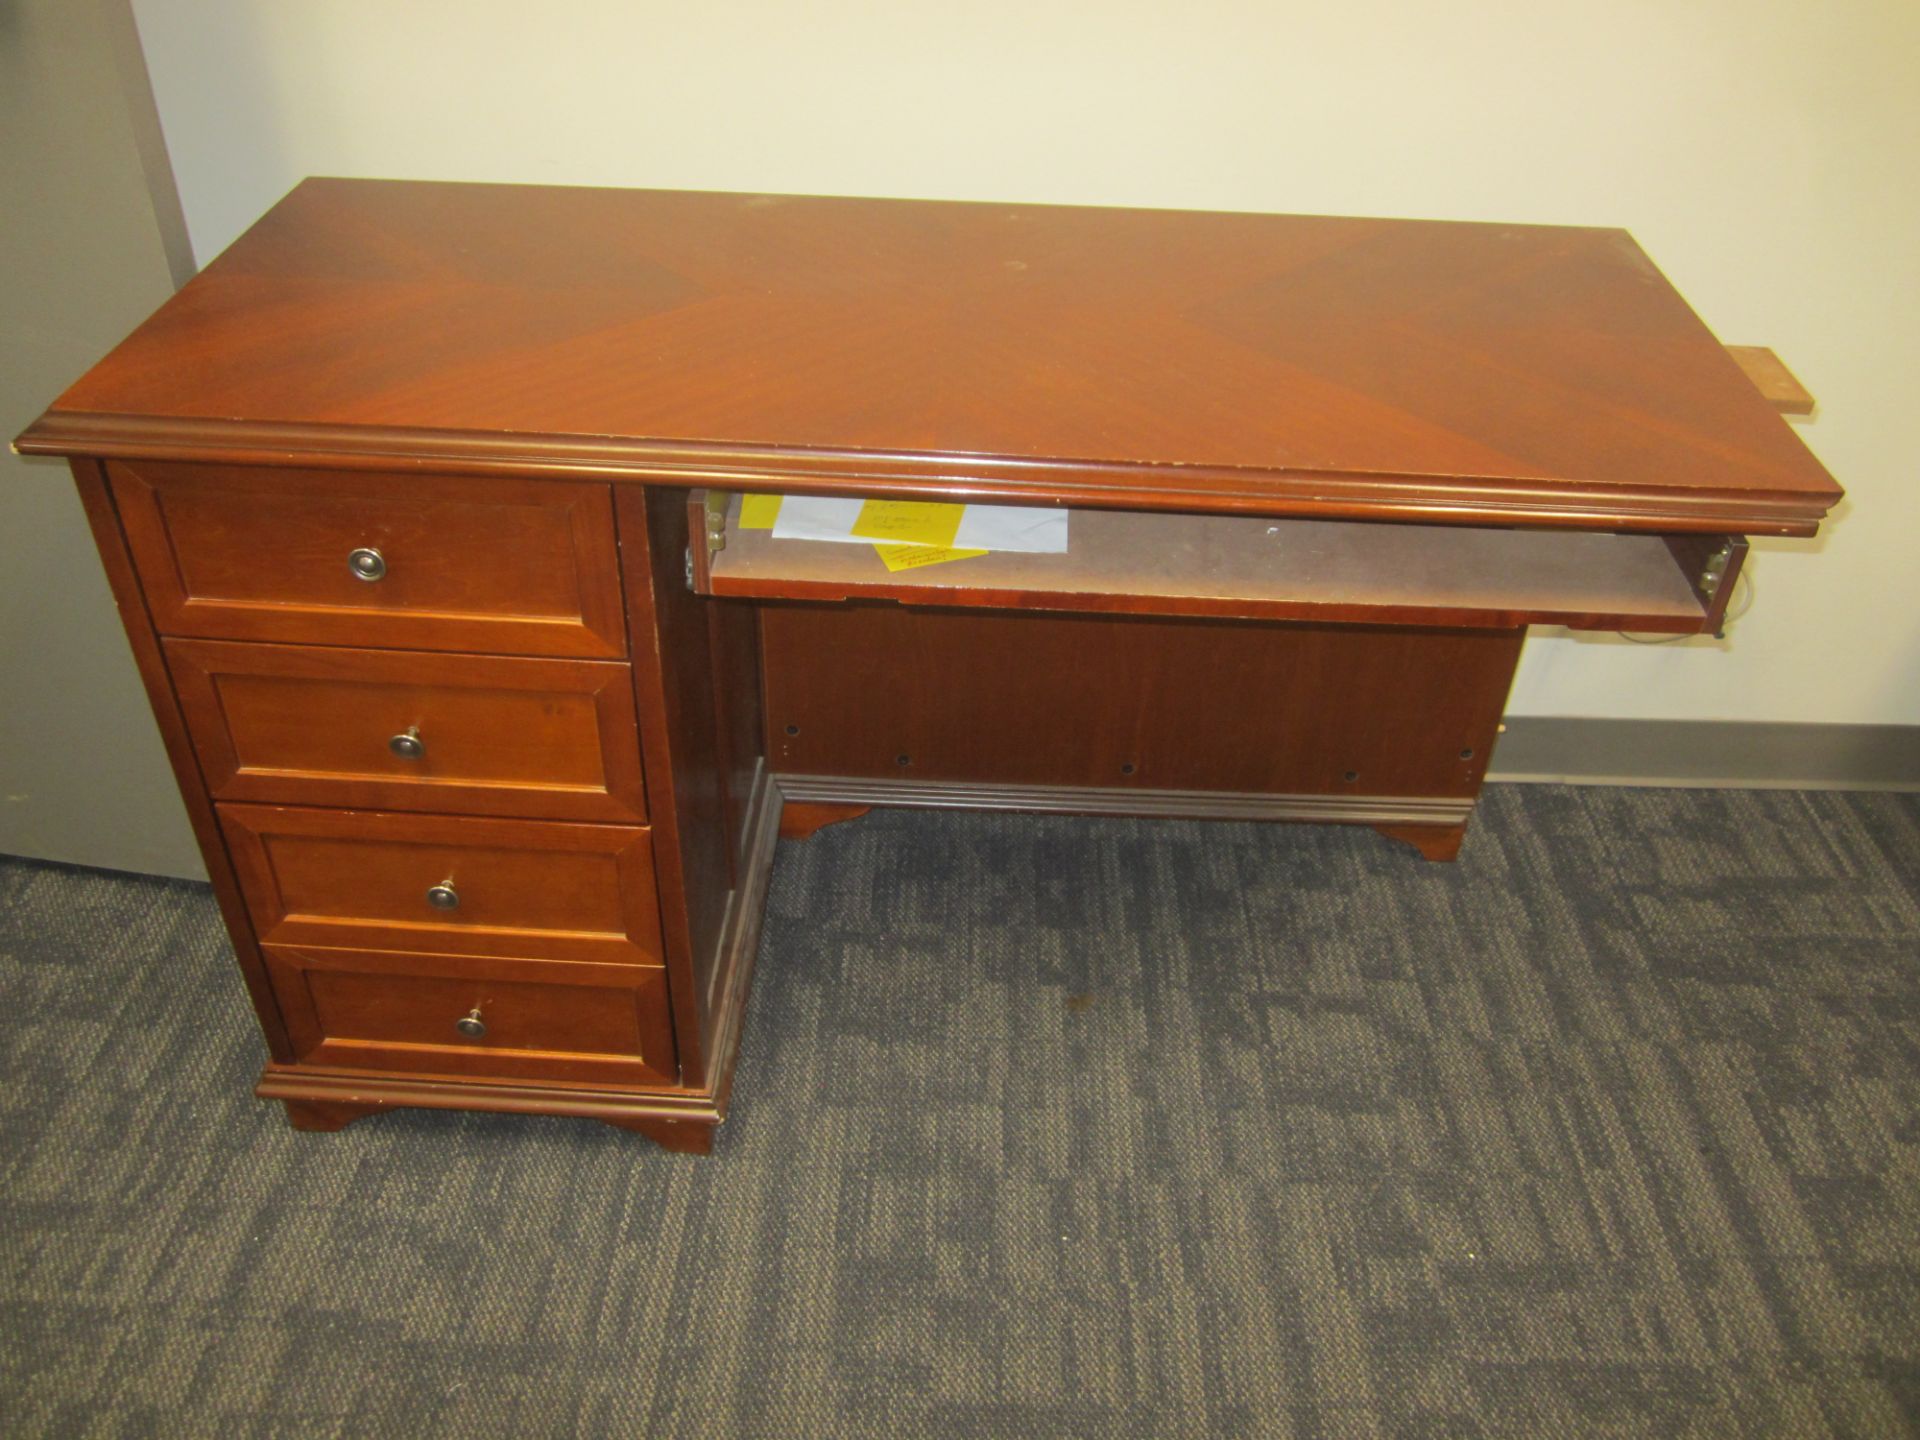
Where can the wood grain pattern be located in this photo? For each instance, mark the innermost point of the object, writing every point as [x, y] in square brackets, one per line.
[245, 553]
[684, 727]
[527, 889]
[1239, 567]
[1128, 703]
[311, 725]
[373, 1010]
[1276, 364]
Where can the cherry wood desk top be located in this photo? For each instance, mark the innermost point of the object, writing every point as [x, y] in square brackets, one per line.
[1282, 365]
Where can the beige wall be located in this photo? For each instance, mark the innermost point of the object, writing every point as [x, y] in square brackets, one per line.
[1762, 151]
[89, 224]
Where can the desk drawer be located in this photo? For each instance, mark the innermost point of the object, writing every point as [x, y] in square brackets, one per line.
[435, 884]
[397, 729]
[468, 1015]
[348, 558]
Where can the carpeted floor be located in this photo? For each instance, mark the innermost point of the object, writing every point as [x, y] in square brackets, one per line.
[1049, 1127]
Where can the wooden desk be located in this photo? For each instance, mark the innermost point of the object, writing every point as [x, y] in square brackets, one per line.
[419, 507]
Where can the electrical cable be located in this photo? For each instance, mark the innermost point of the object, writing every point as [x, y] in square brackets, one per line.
[1745, 582]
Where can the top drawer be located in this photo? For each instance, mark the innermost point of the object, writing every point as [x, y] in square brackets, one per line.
[431, 562]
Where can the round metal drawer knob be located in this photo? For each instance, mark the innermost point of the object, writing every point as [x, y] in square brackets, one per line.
[408, 745]
[367, 564]
[443, 896]
[471, 1025]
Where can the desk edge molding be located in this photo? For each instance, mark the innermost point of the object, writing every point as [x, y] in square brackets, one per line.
[1432, 499]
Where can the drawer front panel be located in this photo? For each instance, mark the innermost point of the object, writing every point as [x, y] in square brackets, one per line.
[469, 1015]
[396, 729]
[440, 885]
[329, 557]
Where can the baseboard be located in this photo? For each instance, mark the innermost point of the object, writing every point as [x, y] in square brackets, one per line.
[1711, 754]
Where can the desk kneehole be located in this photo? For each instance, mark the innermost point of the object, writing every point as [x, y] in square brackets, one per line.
[1176, 664]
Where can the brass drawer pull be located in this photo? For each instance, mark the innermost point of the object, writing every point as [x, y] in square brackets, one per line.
[443, 896]
[367, 564]
[408, 745]
[471, 1025]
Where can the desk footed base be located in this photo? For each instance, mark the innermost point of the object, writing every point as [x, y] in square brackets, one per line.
[802, 820]
[323, 1117]
[807, 818]
[322, 1103]
[1436, 842]
[682, 1136]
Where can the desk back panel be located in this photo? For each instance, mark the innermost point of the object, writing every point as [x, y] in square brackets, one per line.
[887, 693]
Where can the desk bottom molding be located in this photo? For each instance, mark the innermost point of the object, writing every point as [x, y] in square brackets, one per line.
[1423, 816]
[330, 1101]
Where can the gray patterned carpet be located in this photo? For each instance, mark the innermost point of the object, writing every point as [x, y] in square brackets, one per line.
[1050, 1127]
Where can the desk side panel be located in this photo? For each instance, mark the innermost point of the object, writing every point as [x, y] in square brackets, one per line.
[697, 689]
[733, 634]
[111, 540]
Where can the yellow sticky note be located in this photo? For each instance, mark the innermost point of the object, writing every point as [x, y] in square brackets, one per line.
[912, 557]
[758, 512]
[909, 522]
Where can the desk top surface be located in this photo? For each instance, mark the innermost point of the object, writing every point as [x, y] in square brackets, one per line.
[1158, 359]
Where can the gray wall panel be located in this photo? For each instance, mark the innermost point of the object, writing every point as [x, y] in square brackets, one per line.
[92, 243]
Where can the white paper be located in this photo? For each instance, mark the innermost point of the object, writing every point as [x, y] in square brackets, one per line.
[808, 517]
[1033, 530]
[1028, 528]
